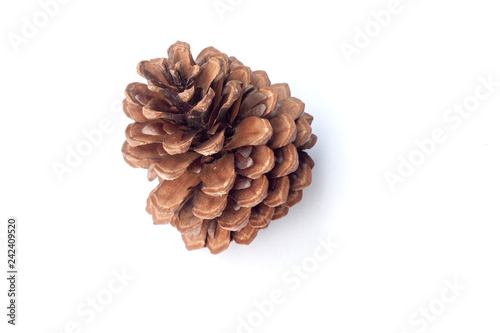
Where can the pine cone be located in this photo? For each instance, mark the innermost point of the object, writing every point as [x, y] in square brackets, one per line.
[225, 144]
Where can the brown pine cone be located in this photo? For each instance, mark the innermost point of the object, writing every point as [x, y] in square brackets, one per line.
[225, 144]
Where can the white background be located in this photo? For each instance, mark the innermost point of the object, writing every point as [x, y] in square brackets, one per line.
[397, 248]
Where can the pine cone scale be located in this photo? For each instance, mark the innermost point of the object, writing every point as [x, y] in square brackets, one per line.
[218, 176]
[208, 207]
